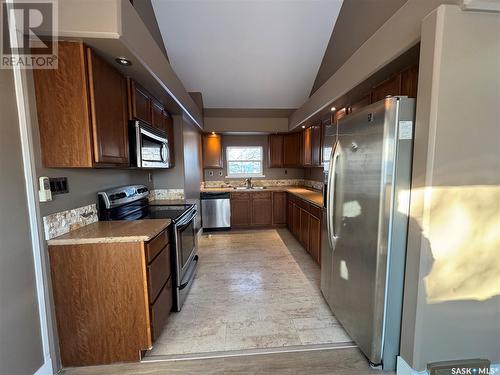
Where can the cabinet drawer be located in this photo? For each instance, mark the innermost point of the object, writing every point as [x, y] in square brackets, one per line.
[302, 204]
[315, 211]
[161, 309]
[261, 195]
[158, 273]
[154, 246]
[240, 196]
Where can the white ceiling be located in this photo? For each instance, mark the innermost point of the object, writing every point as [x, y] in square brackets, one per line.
[247, 53]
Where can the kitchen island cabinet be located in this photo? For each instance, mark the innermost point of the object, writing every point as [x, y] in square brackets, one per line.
[112, 286]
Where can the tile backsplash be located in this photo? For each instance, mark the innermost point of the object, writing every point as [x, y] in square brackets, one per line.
[318, 185]
[166, 194]
[60, 223]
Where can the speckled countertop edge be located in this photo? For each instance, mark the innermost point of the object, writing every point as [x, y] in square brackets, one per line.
[113, 232]
[299, 191]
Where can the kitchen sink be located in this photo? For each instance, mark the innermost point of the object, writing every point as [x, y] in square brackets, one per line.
[251, 188]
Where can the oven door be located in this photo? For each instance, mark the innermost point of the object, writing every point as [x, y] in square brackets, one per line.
[185, 246]
[152, 148]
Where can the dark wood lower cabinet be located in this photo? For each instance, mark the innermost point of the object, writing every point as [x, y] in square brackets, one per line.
[111, 299]
[262, 212]
[279, 208]
[296, 221]
[304, 229]
[315, 238]
[289, 215]
[258, 209]
[240, 210]
[304, 221]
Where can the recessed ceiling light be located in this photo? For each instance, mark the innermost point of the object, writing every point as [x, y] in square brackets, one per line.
[123, 61]
[333, 109]
[303, 126]
[213, 133]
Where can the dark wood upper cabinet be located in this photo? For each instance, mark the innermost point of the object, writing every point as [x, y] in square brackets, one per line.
[292, 150]
[212, 151]
[279, 208]
[63, 109]
[275, 150]
[360, 103]
[307, 147]
[392, 87]
[140, 103]
[316, 145]
[82, 111]
[409, 81]
[157, 115]
[108, 103]
[339, 113]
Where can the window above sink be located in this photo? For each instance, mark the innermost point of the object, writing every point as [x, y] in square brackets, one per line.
[244, 161]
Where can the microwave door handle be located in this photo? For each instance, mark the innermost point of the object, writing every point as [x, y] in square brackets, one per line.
[164, 153]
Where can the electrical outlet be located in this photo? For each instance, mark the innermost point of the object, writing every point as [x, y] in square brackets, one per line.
[210, 173]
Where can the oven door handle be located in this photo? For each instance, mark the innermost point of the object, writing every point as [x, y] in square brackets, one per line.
[191, 271]
[185, 222]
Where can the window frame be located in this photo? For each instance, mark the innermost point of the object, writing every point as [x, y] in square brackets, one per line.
[245, 175]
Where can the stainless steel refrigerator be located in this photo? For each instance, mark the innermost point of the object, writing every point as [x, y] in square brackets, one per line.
[365, 226]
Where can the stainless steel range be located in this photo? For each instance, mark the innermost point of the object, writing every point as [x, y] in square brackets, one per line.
[131, 203]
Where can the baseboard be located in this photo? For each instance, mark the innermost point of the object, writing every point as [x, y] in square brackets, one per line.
[403, 368]
[46, 369]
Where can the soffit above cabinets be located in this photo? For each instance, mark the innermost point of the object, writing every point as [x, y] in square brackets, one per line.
[247, 54]
[114, 29]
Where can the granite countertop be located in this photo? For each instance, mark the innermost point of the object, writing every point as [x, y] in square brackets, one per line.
[113, 231]
[312, 196]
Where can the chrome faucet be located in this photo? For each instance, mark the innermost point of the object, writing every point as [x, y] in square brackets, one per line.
[248, 182]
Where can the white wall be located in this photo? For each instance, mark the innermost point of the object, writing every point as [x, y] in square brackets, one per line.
[246, 124]
[452, 286]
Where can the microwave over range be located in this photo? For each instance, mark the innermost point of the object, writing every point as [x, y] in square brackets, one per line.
[148, 146]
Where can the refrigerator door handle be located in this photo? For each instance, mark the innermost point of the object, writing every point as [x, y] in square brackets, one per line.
[331, 203]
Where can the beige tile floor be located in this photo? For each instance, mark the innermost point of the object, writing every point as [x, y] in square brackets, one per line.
[253, 290]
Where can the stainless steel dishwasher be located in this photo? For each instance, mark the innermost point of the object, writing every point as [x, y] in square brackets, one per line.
[215, 211]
